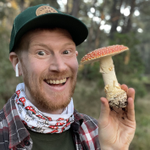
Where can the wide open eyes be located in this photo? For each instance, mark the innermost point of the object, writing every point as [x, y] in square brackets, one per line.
[41, 53]
[66, 52]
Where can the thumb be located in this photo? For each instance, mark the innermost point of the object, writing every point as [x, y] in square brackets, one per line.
[104, 112]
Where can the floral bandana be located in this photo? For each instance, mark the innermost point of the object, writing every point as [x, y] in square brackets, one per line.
[41, 122]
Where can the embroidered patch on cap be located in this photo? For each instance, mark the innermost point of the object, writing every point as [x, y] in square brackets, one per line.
[44, 10]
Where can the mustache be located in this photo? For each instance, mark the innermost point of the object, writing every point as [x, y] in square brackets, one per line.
[56, 75]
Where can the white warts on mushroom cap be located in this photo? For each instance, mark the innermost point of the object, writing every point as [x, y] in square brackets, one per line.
[114, 94]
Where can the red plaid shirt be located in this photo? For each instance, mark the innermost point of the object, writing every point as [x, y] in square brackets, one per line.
[15, 136]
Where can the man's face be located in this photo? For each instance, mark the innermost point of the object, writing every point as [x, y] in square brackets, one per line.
[49, 68]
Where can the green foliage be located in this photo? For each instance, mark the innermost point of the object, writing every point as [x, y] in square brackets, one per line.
[86, 97]
[139, 87]
[135, 65]
[7, 75]
[50, 2]
[142, 135]
[90, 72]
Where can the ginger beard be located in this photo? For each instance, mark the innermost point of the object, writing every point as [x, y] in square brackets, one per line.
[40, 98]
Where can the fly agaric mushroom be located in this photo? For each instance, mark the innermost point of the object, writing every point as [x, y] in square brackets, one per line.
[114, 94]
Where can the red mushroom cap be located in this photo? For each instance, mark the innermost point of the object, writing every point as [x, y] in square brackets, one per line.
[102, 52]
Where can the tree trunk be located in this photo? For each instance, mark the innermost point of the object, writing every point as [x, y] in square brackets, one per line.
[21, 5]
[116, 15]
[75, 8]
[67, 7]
[128, 24]
[91, 37]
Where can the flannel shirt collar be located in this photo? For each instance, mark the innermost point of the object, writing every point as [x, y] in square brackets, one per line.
[85, 129]
[78, 120]
[17, 131]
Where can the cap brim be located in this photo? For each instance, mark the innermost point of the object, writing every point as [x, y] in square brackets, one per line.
[74, 26]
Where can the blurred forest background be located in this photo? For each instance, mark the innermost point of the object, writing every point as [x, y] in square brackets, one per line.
[109, 22]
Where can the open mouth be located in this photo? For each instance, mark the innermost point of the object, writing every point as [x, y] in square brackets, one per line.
[53, 82]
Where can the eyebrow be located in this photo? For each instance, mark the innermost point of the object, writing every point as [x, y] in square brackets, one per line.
[45, 45]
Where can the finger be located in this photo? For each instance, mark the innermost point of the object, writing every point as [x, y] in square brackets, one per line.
[131, 93]
[104, 113]
[124, 87]
[131, 111]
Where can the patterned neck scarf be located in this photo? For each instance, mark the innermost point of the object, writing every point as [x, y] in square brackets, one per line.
[41, 122]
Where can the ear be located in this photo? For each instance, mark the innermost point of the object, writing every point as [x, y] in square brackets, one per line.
[13, 57]
[76, 53]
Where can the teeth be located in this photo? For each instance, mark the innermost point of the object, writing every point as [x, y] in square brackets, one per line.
[56, 81]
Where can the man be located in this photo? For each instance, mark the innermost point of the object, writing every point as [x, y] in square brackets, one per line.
[40, 115]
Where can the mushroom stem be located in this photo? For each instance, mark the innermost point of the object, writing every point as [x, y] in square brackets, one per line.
[114, 94]
[108, 71]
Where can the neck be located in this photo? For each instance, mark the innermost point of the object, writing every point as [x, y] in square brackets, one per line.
[59, 111]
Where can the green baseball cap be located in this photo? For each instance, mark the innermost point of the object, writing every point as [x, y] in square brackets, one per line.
[45, 16]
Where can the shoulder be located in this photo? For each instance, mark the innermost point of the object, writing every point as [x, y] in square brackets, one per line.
[86, 119]
[88, 130]
[3, 131]
[3, 122]
[87, 124]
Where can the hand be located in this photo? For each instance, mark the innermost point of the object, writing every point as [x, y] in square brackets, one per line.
[117, 126]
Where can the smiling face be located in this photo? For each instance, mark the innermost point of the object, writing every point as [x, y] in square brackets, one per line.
[49, 69]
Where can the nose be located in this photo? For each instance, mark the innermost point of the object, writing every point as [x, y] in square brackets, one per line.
[57, 64]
